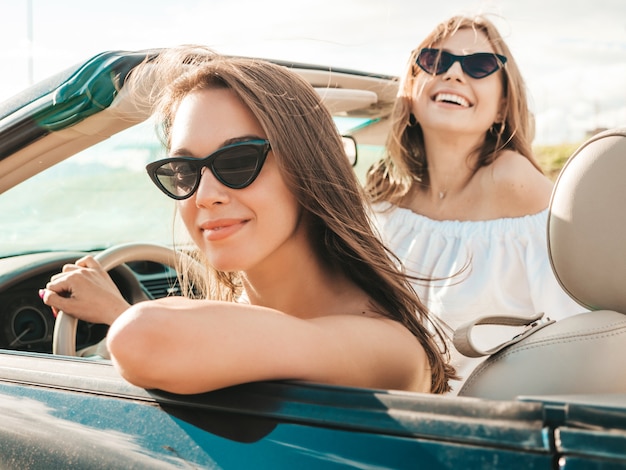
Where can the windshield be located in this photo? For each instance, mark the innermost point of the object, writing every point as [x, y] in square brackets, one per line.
[100, 197]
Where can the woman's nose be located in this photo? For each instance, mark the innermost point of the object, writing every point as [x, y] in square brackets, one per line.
[454, 72]
[210, 191]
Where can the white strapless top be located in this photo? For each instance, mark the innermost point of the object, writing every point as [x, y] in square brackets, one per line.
[507, 270]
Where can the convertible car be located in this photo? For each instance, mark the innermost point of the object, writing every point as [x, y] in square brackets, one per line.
[73, 151]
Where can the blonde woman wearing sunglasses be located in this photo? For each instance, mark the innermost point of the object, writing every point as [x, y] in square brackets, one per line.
[459, 196]
[268, 197]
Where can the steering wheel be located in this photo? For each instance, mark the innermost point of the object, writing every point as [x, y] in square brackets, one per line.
[65, 326]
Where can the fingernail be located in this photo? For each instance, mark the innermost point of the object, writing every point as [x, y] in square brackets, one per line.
[41, 293]
[55, 312]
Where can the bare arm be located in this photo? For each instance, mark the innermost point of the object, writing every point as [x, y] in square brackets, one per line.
[191, 346]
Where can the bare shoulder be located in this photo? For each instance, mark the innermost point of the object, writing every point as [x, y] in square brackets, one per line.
[373, 343]
[518, 188]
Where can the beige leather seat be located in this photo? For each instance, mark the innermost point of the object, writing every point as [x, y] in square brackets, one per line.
[586, 353]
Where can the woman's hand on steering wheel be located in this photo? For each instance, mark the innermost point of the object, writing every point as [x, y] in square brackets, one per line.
[86, 291]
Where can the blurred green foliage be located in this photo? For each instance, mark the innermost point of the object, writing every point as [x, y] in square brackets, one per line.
[553, 157]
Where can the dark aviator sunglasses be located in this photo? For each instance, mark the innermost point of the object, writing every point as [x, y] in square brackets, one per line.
[479, 65]
[235, 166]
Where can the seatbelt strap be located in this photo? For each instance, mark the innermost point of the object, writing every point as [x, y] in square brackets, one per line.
[462, 338]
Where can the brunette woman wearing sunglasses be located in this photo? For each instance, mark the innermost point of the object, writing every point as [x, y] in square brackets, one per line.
[458, 195]
[298, 285]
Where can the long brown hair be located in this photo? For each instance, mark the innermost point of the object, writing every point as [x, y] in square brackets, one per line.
[405, 162]
[311, 159]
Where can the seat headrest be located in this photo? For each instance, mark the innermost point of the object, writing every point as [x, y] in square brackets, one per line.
[587, 223]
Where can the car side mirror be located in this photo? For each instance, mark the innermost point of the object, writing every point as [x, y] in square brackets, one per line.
[349, 146]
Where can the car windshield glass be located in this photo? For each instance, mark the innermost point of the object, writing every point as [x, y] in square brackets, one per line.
[100, 197]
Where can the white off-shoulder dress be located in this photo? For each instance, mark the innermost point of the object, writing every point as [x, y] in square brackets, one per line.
[507, 271]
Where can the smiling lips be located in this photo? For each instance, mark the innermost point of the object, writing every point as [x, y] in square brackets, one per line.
[220, 229]
[451, 98]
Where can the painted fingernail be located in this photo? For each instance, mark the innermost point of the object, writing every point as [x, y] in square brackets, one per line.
[41, 293]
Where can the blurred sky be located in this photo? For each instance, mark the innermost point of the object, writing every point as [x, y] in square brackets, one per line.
[572, 53]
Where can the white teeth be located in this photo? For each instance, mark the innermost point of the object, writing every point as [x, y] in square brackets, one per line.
[450, 98]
